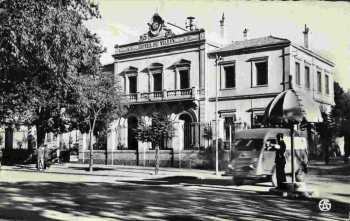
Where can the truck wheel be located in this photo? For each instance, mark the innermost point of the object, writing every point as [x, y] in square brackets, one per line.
[237, 180]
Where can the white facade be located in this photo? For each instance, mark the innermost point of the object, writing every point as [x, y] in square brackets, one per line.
[248, 75]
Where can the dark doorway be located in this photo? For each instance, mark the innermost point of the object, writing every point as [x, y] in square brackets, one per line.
[132, 142]
[187, 130]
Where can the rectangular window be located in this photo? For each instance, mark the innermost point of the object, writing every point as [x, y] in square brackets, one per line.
[184, 79]
[307, 77]
[258, 120]
[327, 84]
[319, 81]
[261, 73]
[132, 84]
[230, 76]
[157, 82]
[297, 73]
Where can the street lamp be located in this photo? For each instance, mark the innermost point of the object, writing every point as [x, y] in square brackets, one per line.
[217, 60]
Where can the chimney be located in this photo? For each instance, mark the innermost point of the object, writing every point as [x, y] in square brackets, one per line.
[245, 34]
[222, 27]
[306, 36]
[190, 23]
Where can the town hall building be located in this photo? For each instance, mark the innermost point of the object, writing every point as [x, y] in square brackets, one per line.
[187, 78]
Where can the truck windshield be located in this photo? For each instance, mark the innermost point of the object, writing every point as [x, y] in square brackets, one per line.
[248, 144]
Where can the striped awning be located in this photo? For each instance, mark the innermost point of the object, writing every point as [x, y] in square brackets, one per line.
[293, 105]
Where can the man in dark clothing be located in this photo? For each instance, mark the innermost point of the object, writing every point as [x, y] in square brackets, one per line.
[280, 161]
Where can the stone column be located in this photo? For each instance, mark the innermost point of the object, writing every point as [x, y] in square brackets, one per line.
[177, 79]
[126, 80]
[202, 57]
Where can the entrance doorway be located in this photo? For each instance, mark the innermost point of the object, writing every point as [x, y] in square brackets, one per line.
[132, 142]
[187, 130]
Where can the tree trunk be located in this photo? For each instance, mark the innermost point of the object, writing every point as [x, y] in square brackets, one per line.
[91, 147]
[40, 139]
[91, 152]
[40, 135]
[156, 168]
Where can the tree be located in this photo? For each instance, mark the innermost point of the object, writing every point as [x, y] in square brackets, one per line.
[327, 131]
[341, 113]
[160, 130]
[98, 102]
[44, 46]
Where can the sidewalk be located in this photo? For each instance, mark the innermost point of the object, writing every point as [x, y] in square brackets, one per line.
[330, 181]
[132, 172]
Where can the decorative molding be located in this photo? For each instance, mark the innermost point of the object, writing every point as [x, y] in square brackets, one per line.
[180, 63]
[256, 109]
[129, 70]
[263, 58]
[223, 63]
[227, 111]
[188, 39]
[244, 97]
[249, 50]
[156, 29]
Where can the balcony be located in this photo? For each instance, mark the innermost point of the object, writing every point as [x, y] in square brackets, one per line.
[165, 95]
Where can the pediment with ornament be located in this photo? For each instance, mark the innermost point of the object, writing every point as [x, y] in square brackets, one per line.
[156, 29]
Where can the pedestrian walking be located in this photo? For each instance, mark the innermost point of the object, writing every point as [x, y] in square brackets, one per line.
[47, 157]
[280, 161]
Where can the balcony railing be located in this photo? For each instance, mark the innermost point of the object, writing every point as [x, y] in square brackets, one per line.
[188, 93]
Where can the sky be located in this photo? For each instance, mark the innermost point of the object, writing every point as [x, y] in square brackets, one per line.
[123, 21]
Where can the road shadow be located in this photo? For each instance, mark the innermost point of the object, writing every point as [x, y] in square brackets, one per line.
[95, 168]
[192, 180]
[99, 201]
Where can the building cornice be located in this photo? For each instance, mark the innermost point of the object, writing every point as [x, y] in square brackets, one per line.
[249, 50]
[157, 45]
[243, 97]
[313, 54]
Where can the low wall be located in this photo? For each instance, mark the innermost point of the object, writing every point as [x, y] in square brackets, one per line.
[99, 157]
[204, 159]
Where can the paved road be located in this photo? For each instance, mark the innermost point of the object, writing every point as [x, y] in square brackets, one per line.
[52, 196]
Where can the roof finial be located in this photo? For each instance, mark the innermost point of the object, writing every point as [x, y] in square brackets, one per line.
[245, 34]
[222, 28]
[222, 21]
